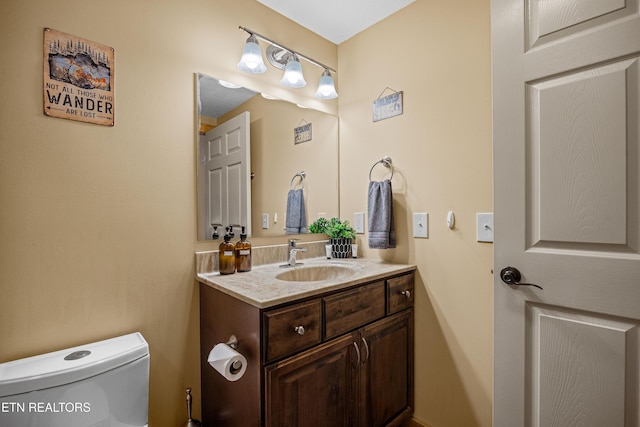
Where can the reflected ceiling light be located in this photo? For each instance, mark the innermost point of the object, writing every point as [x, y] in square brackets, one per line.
[229, 84]
[326, 87]
[293, 69]
[293, 74]
[251, 61]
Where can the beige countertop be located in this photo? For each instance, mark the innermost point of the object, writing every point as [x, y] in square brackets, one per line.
[260, 287]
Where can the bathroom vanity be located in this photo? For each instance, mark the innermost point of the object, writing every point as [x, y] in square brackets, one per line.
[329, 343]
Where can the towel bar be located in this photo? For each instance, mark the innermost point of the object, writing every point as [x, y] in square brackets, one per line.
[302, 175]
[386, 162]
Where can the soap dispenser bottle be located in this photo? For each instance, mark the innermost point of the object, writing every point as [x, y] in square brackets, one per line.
[226, 255]
[243, 253]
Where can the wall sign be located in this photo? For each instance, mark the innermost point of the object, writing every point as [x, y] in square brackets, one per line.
[388, 106]
[302, 133]
[78, 79]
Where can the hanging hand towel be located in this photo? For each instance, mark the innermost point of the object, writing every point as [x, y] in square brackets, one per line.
[382, 234]
[296, 215]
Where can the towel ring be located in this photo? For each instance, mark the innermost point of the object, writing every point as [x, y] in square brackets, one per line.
[302, 175]
[386, 162]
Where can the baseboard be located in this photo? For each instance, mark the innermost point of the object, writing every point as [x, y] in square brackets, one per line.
[415, 423]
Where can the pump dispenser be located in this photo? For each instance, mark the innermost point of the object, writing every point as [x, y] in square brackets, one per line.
[243, 253]
[226, 255]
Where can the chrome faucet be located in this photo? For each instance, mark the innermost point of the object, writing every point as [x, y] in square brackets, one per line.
[293, 251]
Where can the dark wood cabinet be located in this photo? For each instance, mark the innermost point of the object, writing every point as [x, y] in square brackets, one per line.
[386, 371]
[292, 328]
[315, 388]
[343, 358]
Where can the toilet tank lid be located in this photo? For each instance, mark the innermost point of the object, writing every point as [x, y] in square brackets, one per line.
[52, 369]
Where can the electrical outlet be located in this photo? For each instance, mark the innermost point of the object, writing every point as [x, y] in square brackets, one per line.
[358, 222]
[421, 225]
[484, 227]
[265, 220]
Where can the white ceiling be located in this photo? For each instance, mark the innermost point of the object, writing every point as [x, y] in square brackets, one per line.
[336, 20]
[214, 100]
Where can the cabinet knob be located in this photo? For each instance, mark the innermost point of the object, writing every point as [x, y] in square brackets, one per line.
[406, 294]
[299, 330]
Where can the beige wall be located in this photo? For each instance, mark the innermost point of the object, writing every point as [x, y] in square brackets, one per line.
[98, 224]
[438, 54]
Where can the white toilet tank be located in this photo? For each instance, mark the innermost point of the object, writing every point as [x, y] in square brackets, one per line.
[102, 384]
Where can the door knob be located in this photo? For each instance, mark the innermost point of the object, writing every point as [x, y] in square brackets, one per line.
[511, 276]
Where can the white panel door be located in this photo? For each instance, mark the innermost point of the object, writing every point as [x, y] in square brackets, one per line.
[225, 170]
[566, 90]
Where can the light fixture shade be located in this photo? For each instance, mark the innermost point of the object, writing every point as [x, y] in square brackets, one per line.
[251, 61]
[293, 74]
[326, 87]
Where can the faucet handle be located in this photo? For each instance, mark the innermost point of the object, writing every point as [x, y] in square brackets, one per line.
[292, 243]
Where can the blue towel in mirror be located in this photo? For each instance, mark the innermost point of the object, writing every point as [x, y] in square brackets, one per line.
[296, 215]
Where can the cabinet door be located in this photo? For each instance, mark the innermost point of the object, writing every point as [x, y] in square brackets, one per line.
[386, 370]
[315, 388]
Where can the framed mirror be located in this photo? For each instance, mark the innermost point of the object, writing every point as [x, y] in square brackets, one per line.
[283, 142]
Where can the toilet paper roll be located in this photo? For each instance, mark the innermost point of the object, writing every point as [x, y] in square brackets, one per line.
[228, 362]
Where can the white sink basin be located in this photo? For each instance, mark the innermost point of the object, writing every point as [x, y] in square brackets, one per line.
[315, 273]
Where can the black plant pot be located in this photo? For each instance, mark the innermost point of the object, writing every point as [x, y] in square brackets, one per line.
[340, 248]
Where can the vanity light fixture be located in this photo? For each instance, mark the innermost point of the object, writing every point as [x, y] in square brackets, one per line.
[293, 74]
[251, 61]
[286, 59]
[326, 87]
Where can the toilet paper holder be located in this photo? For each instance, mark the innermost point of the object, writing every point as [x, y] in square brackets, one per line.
[227, 360]
[233, 342]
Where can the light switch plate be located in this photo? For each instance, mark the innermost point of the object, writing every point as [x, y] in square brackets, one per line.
[421, 225]
[265, 220]
[358, 222]
[484, 227]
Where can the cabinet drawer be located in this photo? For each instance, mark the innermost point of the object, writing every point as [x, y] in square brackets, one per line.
[348, 310]
[292, 328]
[400, 293]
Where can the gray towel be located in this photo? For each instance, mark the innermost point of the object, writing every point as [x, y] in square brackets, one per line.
[382, 234]
[296, 215]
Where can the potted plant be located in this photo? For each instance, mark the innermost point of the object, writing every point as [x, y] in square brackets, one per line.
[340, 235]
[319, 226]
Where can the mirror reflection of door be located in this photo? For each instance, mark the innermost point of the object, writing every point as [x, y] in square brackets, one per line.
[224, 174]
